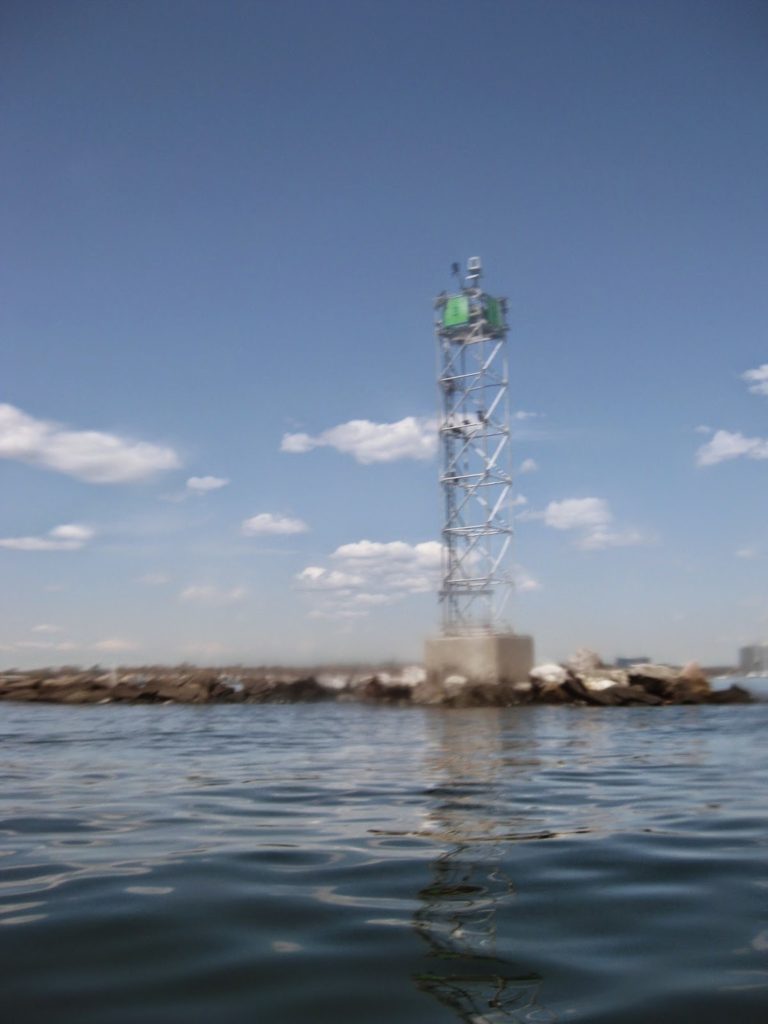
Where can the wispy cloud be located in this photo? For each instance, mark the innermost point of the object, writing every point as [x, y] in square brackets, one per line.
[592, 519]
[90, 455]
[748, 552]
[271, 523]
[114, 644]
[212, 596]
[524, 581]
[528, 466]
[205, 484]
[726, 444]
[154, 579]
[413, 437]
[68, 537]
[757, 379]
[601, 537]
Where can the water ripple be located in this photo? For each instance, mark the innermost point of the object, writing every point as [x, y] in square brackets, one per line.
[342, 863]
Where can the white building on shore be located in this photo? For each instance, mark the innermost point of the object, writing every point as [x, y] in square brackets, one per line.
[754, 659]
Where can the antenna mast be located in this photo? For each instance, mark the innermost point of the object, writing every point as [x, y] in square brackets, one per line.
[471, 332]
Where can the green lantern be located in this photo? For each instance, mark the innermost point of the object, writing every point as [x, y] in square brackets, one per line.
[456, 311]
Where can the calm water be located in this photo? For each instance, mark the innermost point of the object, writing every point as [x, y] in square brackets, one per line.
[333, 863]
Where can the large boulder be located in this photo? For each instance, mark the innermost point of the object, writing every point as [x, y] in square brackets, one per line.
[548, 674]
[733, 695]
[634, 694]
[658, 680]
[584, 660]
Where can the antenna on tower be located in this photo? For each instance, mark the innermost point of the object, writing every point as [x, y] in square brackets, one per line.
[471, 329]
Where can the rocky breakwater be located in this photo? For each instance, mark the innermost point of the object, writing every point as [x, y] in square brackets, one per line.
[582, 680]
[189, 685]
[585, 680]
[642, 684]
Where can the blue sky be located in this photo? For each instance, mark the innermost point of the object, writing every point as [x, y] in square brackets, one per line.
[224, 223]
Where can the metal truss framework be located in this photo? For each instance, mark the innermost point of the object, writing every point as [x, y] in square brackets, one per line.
[475, 474]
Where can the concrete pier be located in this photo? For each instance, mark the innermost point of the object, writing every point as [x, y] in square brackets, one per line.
[491, 658]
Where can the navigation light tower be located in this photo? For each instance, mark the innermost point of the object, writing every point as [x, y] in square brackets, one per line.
[475, 475]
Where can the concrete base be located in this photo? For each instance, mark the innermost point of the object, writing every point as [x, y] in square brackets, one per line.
[495, 658]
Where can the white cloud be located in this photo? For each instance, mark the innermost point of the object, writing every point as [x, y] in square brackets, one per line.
[68, 537]
[591, 516]
[72, 532]
[748, 552]
[757, 380]
[703, 429]
[338, 612]
[204, 484]
[114, 644]
[315, 577]
[727, 445]
[213, 596]
[425, 554]
[89, 455]
[529, 466]
[369, 573]
[521, 414]
[600, 538]
[154, 579]
[524, 582]
[268, 522]
[577, 513]
[44, 627]
[413, 437]
[519, 501]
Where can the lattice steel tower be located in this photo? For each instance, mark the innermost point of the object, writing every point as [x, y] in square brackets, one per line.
[471, 331]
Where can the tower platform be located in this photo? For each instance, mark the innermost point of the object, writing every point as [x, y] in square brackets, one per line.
[485, 658]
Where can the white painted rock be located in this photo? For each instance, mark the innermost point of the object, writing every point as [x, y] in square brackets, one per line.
[599, 684]
[453, 685]
[548, 674]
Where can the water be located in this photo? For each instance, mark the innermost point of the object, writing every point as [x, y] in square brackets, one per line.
[332, 863]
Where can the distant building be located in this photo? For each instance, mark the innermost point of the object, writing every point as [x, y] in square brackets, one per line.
[626, 662]
[754, 659]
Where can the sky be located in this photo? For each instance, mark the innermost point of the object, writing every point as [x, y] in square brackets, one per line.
[224, 225]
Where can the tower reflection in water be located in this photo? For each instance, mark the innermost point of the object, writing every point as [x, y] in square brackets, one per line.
[471, 893]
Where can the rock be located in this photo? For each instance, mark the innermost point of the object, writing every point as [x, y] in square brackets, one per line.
[553, 693]
[692, 673]
[257, 690]
[307, 689]
[427, 692]
[687, 691]
[20, 693]
[125, 691]
[454, 685]
[598, 683]
[634, 694]
[573, 685]
[549, 673]
[656, 679]
[733, 695]
[81, 695]
[584, 660]
[482, 695]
